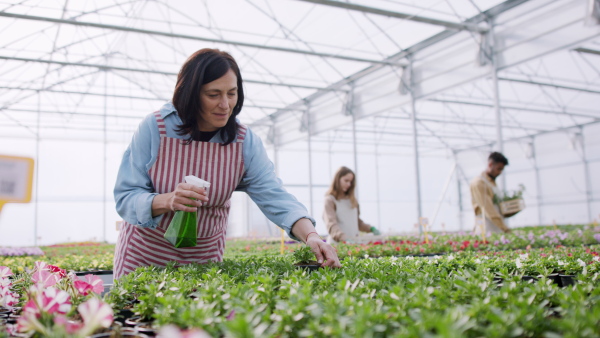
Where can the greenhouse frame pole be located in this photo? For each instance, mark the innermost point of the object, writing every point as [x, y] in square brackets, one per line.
[586, 168]
[37, 169]
[105, 143]
[309, 139]
[415, 146]
[538, 182]
[377, 180]
[350, 110]
[497, 110]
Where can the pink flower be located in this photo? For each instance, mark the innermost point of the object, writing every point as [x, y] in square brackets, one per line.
[231, 315]
[84, 288]
[5, 272]
[172, 331]
[70, 326]
[8, 298]
[28, 323]
[95, 314]
[95, 282]
[45, 278]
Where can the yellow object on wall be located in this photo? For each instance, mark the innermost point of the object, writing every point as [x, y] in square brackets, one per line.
[16, 179]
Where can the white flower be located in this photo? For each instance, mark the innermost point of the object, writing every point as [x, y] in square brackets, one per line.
[524, 256]
[597, 258]
[582, 263]
[519, 264]
[478, 261]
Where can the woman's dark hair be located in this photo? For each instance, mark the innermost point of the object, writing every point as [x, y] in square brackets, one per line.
[202, 67]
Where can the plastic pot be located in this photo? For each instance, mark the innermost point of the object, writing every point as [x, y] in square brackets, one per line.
[146, 328]
[135, 320]
[555, 278]
[310, 266]
[529, 279]
[567, 280]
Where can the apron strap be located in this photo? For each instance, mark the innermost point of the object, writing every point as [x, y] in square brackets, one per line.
[162, 129]
[242, 129]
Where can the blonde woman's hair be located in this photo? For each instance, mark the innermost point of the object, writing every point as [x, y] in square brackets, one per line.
[336, 190]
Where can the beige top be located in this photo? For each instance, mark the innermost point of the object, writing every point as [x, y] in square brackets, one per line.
[482, 198]
[342, 221]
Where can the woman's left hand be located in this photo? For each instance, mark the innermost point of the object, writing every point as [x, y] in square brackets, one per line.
[323, 252]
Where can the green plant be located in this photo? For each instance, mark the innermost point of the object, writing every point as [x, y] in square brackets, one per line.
[510, 195]
[304, 255]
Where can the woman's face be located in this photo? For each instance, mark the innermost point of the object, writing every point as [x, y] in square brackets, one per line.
[346, 182]
[217, 99]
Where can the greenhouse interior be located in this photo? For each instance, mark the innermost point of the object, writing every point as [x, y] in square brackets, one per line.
[411, 96]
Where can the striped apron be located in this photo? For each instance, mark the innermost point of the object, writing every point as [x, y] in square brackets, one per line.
[220, 165]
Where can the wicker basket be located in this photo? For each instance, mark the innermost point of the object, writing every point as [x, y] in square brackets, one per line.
[512, 207]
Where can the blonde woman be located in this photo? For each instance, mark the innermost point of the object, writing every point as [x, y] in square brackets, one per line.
[341, 214]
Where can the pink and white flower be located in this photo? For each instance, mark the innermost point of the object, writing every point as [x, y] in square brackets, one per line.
[172, 331]
[84, 288]
[70, 326]
[5, 272]
[95, 282]
[95, 314]
[44, 278]
[51, 300]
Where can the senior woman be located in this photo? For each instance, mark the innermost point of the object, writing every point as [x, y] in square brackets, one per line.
[198, 134]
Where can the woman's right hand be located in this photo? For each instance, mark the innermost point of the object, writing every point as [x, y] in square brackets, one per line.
[185, 197]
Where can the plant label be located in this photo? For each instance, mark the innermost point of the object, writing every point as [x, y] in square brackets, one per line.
[16, 179]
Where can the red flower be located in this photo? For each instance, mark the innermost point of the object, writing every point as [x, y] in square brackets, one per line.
[397, 248]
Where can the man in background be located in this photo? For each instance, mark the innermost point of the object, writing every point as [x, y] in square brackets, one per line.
[483, 189]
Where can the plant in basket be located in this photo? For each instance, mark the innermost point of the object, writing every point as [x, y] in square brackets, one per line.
[304, 258]
[511, 202]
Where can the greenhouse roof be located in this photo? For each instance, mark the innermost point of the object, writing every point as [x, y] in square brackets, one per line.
[454, 70]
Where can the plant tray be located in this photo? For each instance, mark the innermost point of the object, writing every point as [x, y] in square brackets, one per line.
[510, 208]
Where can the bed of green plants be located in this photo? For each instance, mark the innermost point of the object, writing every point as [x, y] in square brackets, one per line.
[85, 256]
[450, 296]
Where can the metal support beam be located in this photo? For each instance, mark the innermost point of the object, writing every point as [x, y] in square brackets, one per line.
[588, 181]
[415, 147]
[105, 158]
[310, 167]
[538, 181]
[587, 50]
[188, 37]
[533, 110]
[578, 89]
[371, 10]
[496, 93]
[514, 139]
[149, 71]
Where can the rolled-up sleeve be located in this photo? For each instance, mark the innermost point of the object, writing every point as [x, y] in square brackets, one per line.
[134, 191]
[266, 189]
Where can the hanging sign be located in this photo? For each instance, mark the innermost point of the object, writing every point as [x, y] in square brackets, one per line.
[16, 179]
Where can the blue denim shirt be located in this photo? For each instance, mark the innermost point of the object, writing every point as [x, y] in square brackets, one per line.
[134, 190]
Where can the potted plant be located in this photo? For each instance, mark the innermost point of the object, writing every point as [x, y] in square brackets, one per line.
[304, 258]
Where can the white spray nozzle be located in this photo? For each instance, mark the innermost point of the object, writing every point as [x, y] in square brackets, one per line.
[191, 179]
